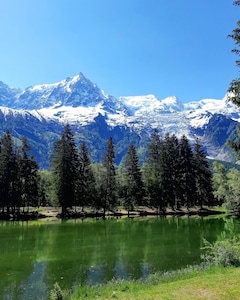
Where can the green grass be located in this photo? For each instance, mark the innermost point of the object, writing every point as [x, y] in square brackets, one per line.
[191, 283]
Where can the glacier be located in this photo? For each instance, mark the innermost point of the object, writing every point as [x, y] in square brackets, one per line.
[78, 101]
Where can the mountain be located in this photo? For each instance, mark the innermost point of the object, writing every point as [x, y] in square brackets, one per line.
[40, 112]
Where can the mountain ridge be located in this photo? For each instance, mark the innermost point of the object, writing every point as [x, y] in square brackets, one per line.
[79, 102]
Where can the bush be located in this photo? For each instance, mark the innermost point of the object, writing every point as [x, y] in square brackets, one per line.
[224, 252]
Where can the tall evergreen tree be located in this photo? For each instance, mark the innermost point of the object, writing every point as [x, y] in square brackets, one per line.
[8, 173]
[109, 183]
[170, 163]
[64, 165]
[203, 176]
[186, 176]
[85, 179]
[134, 184]
[153, 172]
[29, 176]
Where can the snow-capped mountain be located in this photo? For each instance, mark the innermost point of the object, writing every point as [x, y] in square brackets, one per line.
[40, 112]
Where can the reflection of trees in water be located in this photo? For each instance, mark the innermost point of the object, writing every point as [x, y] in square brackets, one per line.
[17, 257]
[94, 251]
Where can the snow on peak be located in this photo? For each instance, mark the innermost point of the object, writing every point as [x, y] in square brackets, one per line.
[152, 103]
[173, 103]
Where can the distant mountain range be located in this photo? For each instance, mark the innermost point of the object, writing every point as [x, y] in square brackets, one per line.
[40, 112]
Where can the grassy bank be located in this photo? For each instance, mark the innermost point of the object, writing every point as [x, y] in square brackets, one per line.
[192, 283]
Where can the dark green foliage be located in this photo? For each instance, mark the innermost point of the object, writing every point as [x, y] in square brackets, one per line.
[85, 183]
[153, 172]
[172, 176]
[133, 186]
[171, 171]
[8, 174]
[175, 176]
[29, 176]
[109, 180]
[64, 165]
[18, 176]
[203, 176]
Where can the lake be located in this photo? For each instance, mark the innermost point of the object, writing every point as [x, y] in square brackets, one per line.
[37, 254]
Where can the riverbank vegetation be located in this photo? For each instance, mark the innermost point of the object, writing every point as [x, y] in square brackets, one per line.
[213, 283]
[175, 177]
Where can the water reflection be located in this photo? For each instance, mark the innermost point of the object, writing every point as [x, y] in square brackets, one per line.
[36, 255]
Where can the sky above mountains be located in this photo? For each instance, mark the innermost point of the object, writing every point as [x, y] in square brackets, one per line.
[127, 47]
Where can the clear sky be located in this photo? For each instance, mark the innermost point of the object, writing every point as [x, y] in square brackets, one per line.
[127, 47]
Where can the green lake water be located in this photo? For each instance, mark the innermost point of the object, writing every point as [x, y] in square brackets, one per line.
[36, 255]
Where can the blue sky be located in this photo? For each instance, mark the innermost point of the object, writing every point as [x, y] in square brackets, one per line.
[127, 47]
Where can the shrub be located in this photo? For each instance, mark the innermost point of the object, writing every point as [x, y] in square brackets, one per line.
[225, 252]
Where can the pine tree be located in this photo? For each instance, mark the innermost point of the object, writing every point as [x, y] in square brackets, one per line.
[109, 182]
[85, 179]
[133, 180]
[64, 165]
[203, 176]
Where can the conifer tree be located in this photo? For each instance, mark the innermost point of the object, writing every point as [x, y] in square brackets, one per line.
[186, 176]
[170, 163]
[109, 182]
[29, 176]
[133, 180]
[64, 165]
[85, 179]
[153, 172]
[203, 176]
[9, 184]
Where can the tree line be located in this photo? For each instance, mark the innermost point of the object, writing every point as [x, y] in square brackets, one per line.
[173, 175]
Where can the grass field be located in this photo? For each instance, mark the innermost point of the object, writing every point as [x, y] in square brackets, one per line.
[192, 283]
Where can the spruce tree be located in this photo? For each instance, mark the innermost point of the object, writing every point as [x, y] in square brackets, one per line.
[153, 172]
[85, 180]
[169, 160]
[109, 182]
[133, 180]
[203, 176]
[9, 183]
[29, 176]
[64, 165]
[187, 186]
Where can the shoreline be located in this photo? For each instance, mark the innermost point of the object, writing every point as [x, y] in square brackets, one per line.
[55, 213]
